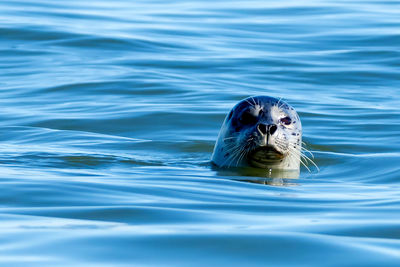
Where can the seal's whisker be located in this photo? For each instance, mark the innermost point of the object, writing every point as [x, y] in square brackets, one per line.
[312, 162]
[306, 159]
[279, 101]
[255, 103]
[298, 153]
[305, 165]
[241, 155]
[232, 150]
[251, 105]
[227, 160]
[236, 156]
[232, 145]
[244, 150]
[308, 151]
[258, 102]
[233, 154]
[301, 161]
[232, 137]
[293, 152]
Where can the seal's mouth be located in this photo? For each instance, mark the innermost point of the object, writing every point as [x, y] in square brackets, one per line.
[264, 156]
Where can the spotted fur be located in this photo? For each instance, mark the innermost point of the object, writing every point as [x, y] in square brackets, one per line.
[257, 133]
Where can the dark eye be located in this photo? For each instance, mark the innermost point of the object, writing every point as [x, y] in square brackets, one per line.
[286, 120]
[248, 118]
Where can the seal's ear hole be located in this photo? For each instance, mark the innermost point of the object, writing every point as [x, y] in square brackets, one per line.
[230, 115]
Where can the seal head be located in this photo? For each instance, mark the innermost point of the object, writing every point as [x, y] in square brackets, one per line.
[262, 132]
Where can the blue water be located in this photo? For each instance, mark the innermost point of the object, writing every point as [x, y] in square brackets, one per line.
[109, 111]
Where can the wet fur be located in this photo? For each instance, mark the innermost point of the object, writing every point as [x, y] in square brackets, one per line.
[240, 145]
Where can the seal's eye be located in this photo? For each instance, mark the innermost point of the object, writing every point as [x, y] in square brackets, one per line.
[248, 118]
[286, 120]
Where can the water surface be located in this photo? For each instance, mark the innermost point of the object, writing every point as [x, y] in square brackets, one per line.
[109, 111]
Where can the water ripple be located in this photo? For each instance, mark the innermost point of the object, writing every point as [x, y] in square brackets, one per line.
[109, 112]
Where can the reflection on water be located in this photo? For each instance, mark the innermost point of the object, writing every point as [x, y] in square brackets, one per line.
[277, 181]
[258, 175]
[109, 112]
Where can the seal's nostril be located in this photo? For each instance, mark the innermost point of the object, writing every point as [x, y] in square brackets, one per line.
[267, 129]
[272, 129]
[262, 128]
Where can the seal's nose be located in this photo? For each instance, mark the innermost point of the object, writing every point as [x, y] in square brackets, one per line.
[267, 129]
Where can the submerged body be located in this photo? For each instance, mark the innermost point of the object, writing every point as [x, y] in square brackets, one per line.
[262, 132]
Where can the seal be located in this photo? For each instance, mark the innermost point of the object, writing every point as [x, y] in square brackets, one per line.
[262, 132]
